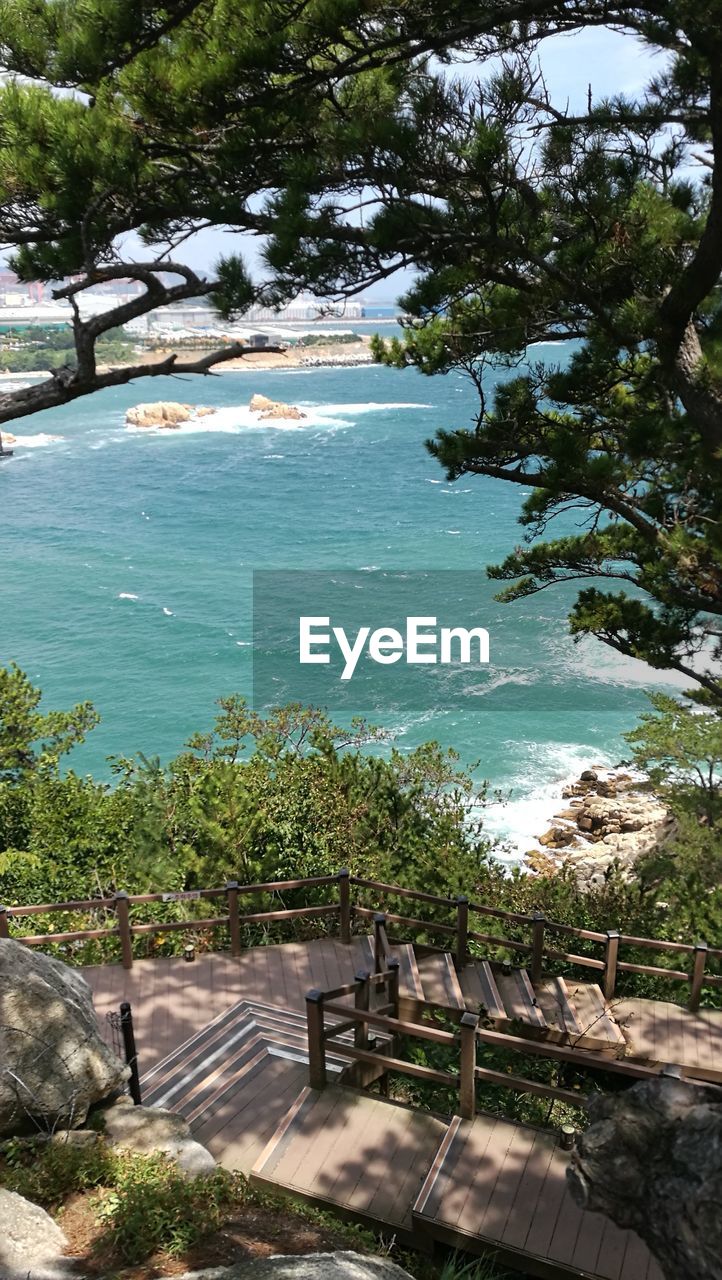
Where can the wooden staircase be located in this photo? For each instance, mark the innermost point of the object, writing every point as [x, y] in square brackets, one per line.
[556, 1009]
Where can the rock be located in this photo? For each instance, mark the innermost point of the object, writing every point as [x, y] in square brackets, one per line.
[32, 1246]
[203, 411]
[651, 1160]
[149, 1130]
[258, 403]
[309, 1266]
[617, 820]
[163, 413]
[274, 409]
[556, 837]
[55, 1065]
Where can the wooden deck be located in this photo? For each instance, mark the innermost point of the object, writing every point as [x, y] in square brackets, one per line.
[495, 1184]
[172, 999]
[362, 1155]
[480, 1185]
[222, 1040]
[656, 1031]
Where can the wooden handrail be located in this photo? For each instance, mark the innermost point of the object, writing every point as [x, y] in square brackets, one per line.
[538, 926]
[321, 1037]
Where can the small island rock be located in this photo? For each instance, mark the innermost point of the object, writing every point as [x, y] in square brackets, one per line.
[274, 409]
[165, 414]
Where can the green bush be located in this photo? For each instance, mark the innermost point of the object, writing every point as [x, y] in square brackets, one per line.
[152, 1206]
[47, 1172]
[143, 1202]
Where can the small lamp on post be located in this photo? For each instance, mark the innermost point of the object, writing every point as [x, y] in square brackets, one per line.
[567, 1137]
[189, 952]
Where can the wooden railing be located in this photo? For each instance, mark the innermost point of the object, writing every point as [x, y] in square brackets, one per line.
[464, 1042]
[459, 937]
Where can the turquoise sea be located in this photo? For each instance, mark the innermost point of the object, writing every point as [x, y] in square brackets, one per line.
[127, 555]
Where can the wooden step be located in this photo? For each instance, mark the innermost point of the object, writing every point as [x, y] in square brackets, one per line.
[599, 1027]
[518, 998]
[439, 981]
[557, 1006]
[216, 1061]
[480, 990]
[354, 1153]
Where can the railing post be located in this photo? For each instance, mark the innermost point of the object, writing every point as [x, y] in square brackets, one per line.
[697, 976]
[316, 1042]
[234, 924]
[610, 962]
[361, 1001]
[131, 1053]
[537, 942]
[467, 1069]
[4, 928]
[123, 915]
[393, 986]
[462, 931]
[379, 956]
[344, 893]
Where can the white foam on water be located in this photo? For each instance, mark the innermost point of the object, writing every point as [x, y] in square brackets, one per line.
[126, 595]
[363, 406]
[39, 441]
[168, 612]
[527, 814]
[596, 661]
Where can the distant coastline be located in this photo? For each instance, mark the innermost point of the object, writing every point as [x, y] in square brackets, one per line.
[351, 355]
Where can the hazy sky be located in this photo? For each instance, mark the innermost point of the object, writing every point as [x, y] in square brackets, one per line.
[607, 60]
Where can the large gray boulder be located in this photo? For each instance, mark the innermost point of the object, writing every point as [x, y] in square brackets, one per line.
[54, 1064]
[32, 1246]
[151, 1130]
[652, 1161]
[309, 1266]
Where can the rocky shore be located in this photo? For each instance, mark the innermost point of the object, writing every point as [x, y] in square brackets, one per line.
[609, 818]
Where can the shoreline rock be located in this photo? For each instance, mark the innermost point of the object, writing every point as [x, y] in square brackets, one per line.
[610, 817]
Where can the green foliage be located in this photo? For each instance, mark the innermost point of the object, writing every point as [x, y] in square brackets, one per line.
[48, 1172]
[256, 799]
[144, 1203]
[152, 1206]
[32, 742]
[680, 748]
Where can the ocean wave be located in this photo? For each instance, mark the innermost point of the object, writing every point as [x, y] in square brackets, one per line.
[596, 661]
[39, 441]
[363, 406]
[526, 812]
[126, 595]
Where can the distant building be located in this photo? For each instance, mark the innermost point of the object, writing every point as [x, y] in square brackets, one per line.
[306, 308]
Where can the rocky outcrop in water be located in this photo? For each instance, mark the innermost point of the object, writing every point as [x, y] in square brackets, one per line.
[273, 409]
[165, 414]
[610, 818]
[651, 1161]
[54, 1065]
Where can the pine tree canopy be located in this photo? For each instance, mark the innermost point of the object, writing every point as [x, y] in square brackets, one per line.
[327, 127]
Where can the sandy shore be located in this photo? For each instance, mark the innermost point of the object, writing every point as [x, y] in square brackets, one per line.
[333, 355]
